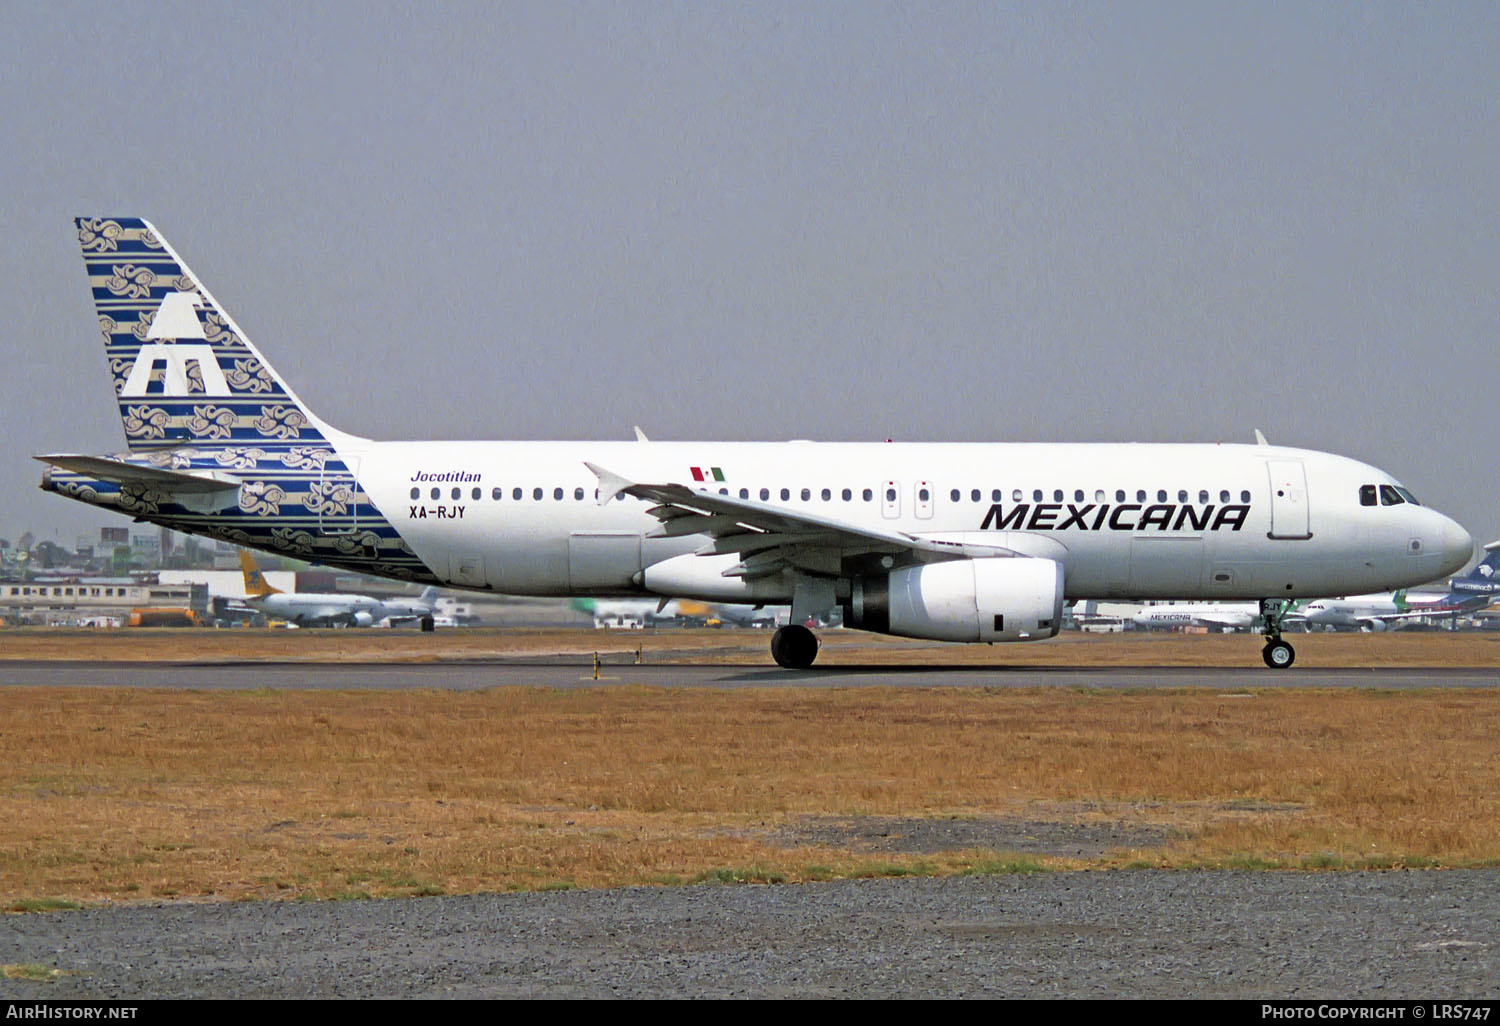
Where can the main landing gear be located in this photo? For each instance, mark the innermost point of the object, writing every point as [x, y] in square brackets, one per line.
[794, 647]
[1278, 654]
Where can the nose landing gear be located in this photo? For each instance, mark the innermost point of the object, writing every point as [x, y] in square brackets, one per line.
[1277, 654]
[794, 647]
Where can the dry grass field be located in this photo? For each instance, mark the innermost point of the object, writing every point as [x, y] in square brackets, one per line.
[130, 794]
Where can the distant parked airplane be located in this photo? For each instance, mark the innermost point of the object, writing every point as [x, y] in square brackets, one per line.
[308, 609]
[1239, 616]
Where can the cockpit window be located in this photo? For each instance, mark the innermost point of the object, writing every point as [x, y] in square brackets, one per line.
[1389, 496]
[1367, 495]
[1408, 496]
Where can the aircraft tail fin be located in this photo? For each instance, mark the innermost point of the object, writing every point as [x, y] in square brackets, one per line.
[183, 371]
[255, 581]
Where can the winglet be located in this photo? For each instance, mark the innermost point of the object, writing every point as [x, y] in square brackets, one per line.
[640, 436]
[1260, 439]
[610, 483]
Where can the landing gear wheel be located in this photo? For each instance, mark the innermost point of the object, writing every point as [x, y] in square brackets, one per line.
[1278, 655]
[794, 647]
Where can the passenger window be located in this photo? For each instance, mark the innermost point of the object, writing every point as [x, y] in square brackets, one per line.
[827, 495]
[557, 494]
[437, 493]
[723, 491]
[1078, 495]
[1036, 495]
[578, 494]
[1140, 495]
[1099, 495]
[1367, 495]
[515, 493]
[744, 493]
[536, 494]
[416, 493]
[1245, 495]
[497, 494]
[1182, 495]
[1119, 495]
[995, 495]
[890, 495]
[457, 493]
[847, 495]
[1057, 495]
[786, 494]
[1203, 495]
[806, 494]
[1015, 496]
[475, 494]
[765, 494]
[974, 495]
[955, 495]
[1224, 495]
[1389, 496]
[867, 495]
[923, 494]
[1161, 495]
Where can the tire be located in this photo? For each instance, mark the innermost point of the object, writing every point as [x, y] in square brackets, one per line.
[1278, 655]
[794, 647]
[427, 624]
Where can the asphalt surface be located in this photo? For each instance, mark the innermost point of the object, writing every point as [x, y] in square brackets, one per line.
[464, 676]
[1398, 935]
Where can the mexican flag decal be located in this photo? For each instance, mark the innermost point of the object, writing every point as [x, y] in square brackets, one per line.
[707, 473]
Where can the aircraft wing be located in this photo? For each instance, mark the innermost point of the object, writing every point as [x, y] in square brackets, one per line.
[769, 539]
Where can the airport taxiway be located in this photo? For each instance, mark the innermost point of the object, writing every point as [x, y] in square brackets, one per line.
[572, 673]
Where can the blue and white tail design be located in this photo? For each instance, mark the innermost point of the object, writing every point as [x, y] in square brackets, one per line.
[218, 444]
[184, 373]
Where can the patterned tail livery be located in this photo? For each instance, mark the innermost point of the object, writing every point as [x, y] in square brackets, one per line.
[184, 373]
[218, 444]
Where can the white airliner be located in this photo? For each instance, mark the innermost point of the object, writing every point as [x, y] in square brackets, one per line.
[646, 612]
[1238, 616]
[972, 542]
[308, 609]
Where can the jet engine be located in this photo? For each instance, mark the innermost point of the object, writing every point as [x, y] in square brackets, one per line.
[993, 599]
[363, 619]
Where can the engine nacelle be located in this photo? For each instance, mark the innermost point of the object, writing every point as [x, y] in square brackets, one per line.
[363, 619]
[1000, 599]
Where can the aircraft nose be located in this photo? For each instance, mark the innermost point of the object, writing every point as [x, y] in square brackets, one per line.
[1456, 545]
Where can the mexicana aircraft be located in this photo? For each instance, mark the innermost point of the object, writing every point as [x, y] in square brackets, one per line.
[971, 542]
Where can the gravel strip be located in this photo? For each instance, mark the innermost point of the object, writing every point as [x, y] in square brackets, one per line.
[1148, 934]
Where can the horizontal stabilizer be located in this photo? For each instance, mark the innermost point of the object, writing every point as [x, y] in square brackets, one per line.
[121, 472]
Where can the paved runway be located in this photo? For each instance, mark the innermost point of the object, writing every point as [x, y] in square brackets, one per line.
[468, 676]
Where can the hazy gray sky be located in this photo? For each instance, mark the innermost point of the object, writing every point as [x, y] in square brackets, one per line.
[1028, 222]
